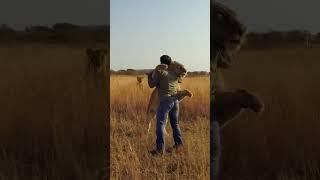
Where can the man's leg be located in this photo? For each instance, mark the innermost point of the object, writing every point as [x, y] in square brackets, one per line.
[174, 121]
[162, 112]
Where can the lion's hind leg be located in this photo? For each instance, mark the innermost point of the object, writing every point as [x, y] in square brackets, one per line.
[150, 118]
[152, 111]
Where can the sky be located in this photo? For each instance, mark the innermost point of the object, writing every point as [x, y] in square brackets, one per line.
[21, 13]
[266, 15]
[143, 30]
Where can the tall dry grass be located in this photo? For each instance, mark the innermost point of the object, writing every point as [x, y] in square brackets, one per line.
[283, 142]
[53, 119]
[130, 141]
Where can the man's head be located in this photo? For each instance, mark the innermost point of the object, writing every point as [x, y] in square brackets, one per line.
[227, 34]
[165, 59]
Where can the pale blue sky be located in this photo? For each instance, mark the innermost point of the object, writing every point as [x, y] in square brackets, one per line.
[143, 30]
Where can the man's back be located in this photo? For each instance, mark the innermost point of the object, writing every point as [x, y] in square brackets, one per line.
[166, 83]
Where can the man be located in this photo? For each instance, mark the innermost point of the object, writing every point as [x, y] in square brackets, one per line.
[166, 82]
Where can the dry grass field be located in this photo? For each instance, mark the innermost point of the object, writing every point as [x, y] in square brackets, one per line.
[53, 118]
[282, 143]
[130, 141]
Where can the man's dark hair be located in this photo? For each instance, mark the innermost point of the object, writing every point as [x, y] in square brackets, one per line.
[165, 59]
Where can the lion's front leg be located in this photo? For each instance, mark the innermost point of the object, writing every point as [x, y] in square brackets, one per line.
[229, 104]
[183, 93]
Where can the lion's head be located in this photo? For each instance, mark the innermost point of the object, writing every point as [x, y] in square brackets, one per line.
[178, 69]
[228, 33]
[97, 60]
[140, 79]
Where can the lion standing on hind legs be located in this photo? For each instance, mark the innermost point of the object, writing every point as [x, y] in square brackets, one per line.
[153, 104]
[227, 37]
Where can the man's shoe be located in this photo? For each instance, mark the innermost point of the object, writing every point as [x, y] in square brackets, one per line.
[178, 148]
[175, 148]
[156, 152]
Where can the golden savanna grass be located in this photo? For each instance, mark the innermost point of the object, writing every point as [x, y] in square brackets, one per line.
[53, 118]
[130, 141]
[282, 143]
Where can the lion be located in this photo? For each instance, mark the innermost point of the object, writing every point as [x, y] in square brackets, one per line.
[96, 61]
[96, 66]
[140, 79]
[154, 99]
[140, 82]
[226, 39]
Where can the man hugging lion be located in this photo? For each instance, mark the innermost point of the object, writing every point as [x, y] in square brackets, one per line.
[165, 77]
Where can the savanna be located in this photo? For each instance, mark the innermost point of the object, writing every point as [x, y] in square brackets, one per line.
[130, 141]
[54, 114]
[282, 142]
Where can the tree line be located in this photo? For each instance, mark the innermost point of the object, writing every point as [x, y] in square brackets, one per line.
[59, 32]
[281, 38]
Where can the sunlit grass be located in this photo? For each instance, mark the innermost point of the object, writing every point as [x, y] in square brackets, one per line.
[130, 142]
